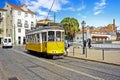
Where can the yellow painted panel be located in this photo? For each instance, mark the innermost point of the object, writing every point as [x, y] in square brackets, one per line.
[51, 48]
[34, 47]
[55, 48]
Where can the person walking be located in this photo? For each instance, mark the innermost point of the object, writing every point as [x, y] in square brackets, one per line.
[89, 43]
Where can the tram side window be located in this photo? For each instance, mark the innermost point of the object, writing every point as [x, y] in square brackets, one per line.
[26, 38]
[51, 36]
[31, 38]
[38, 38]
[44, 36]
[63, 36]
[58, 35]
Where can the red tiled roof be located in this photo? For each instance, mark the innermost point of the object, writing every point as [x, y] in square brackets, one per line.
[20, 8]
[96, 30]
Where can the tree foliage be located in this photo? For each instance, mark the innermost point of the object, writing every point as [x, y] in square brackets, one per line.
[71, 26]
[110, 26]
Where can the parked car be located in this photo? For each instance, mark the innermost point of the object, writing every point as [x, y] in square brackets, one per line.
[7, 42]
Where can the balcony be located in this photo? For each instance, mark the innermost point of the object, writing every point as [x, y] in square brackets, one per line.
[26, 25]
[19, 24]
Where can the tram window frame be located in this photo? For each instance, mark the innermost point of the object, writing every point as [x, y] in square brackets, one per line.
[63, 36]
[51, 35]
[38, 37]
[30, 38]
[58, 36]
[44, 36]
[26, 38]
[34, 38]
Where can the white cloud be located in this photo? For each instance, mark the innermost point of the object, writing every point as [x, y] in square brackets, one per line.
[97, 12]
[81, 8]
[99, 6]
[38, 5]
[82, 16]
[69, 8]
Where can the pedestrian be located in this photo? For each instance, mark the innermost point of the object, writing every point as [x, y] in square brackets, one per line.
[89, 43]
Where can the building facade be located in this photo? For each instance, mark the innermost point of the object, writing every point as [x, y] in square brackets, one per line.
[2, 24]
[100, 35]
[103, 34]
[19, 19]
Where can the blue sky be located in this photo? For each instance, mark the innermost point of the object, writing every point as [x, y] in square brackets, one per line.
[93, 12]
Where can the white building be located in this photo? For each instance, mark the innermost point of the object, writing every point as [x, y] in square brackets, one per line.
[95, 35]
[19, 19]
[2, 24]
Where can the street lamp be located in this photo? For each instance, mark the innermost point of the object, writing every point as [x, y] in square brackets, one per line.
[84, 43]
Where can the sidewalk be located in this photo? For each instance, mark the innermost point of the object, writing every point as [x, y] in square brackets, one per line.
[106, 56]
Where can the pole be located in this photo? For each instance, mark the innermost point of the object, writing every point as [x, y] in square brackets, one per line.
[83, 24]
[103, 54]
[54, 17]
[83, 39]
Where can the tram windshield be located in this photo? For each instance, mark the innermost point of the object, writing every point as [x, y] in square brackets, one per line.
[51, 36]
[55, 36]
[58, 35]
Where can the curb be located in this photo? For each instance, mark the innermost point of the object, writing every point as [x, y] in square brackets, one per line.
[94, 61]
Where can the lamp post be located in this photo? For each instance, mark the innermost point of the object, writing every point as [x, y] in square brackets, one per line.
[83, 25]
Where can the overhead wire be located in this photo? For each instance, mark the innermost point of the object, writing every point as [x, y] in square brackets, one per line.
[49, 11]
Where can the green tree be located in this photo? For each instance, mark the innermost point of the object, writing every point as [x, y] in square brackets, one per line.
[110, 27]
[71, 26]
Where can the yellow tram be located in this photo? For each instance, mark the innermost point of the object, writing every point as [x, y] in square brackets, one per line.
[48, 40]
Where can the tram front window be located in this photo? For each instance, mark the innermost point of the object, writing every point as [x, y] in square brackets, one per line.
[51, 36]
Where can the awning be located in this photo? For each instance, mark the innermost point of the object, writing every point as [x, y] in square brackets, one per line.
[96, 36]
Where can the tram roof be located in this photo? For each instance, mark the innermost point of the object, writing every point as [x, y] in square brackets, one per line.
[42, 28]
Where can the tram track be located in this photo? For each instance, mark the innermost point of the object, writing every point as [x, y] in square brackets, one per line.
[62, 67]
[29, 68]
[59, 63]
[51, 71]
[86, 67]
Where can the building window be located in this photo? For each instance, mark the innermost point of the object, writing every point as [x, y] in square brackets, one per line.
[11, 22]
[26, 14]
[32, 24]
[11, 11]
[19, 12]
[32, 15]
[26, 24]
[19, 23]
[19, 30]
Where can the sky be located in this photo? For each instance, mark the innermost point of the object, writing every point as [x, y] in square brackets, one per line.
[93, 12]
